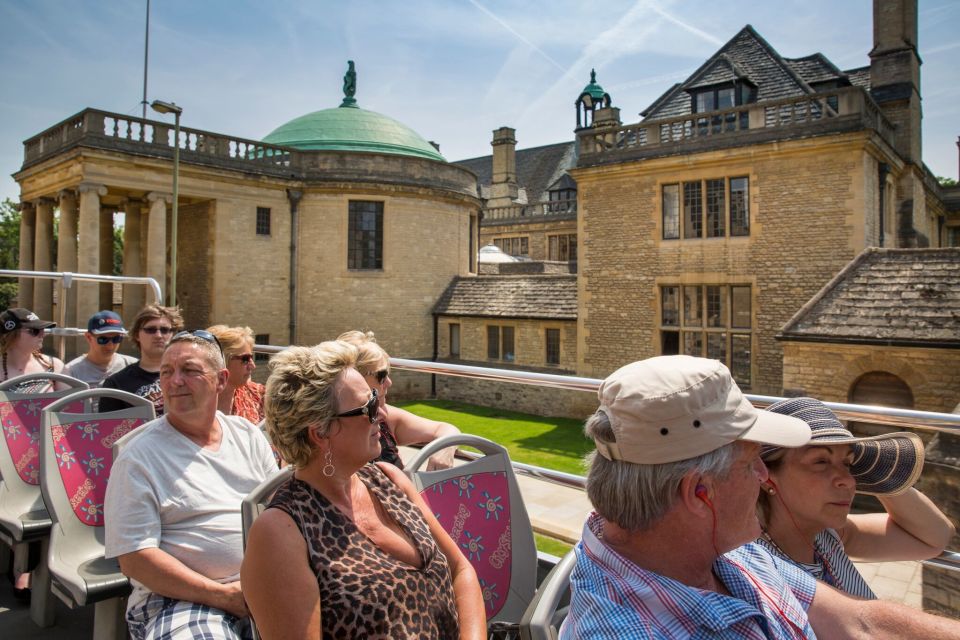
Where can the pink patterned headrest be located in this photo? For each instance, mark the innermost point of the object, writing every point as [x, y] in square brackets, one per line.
[20, 421]
[475, 510]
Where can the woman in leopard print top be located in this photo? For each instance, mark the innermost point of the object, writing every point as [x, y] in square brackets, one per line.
[347, 548]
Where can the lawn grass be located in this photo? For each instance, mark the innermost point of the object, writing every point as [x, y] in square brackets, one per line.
[547, 544]
[553, 443]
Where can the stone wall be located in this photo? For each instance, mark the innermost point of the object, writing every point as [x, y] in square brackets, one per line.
[807, 203]
[941, 483]
[535, 230]
[540, 401]
[829, 371]
[529, 342]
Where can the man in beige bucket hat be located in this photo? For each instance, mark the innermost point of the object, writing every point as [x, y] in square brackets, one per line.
[667, 553]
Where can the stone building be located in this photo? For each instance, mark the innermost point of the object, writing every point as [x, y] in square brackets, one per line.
[315, 230]
[885, 330]
[706, 226]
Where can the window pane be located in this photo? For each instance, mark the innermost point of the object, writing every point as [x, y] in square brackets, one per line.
[740, 359]
[692, 311]
[553, 346]
[669, 343]
[524, 248]
[741, 307]
[493, 343]
[553, 248]
[717, 346]
[507, 336]
[716, 307]
[704, 101]
[572, 247]
[692, 210]
[263, 221]
[261, 338]
[671, 211]
[670, 306]
[454, 340]
[693, 343]
[739, 209]
[715, 209]
[725, 98]
[365, 235]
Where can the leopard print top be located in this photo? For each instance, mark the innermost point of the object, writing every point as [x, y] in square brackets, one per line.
[364, 592]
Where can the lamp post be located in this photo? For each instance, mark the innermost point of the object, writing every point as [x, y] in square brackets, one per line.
[169, 107]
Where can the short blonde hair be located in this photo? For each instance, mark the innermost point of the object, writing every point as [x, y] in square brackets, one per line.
[369, 354]
[233, 340]
[301, 395]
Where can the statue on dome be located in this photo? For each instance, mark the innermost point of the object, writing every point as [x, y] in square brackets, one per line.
[349, 86]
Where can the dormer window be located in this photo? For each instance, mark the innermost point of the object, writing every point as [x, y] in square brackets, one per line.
[723, 97]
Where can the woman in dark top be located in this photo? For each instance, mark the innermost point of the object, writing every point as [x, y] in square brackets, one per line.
[347, 548]
[398, 427]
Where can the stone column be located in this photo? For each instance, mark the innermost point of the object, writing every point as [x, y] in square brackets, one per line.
[133, 294]
[88, 248]
[67, 251]
[156, 259]
[43, 259]
[28, 229]
[106, 256]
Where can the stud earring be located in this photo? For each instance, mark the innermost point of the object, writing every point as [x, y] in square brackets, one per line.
[771, 491]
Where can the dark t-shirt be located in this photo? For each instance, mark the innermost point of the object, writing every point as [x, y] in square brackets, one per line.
[135, 380]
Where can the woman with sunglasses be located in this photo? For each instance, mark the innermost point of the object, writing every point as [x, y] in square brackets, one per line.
[21, 340]
[805, 504]
[397, 426]
[243, 397]
[347, 548]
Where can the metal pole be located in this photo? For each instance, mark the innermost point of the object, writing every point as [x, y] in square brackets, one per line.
[146, 50]
[176, 198]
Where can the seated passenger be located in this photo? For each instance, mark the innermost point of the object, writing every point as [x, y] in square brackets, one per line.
[21, 341]
[347, 548]
[152, 329]
[398, 427]
[805, 503]
[104, 334]
[242, 397]
[674, 482]
[172, 509]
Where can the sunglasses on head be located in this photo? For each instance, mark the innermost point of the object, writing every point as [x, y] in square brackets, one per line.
[245, 358]
[380, 375]
[109, 339]
[204, 335]
[33, 331]
[369, 409]
[155, 330]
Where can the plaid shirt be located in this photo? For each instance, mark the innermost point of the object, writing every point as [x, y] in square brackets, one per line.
[614, 598]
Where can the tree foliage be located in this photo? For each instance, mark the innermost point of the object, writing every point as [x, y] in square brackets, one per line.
[9, 249]
[946, 182]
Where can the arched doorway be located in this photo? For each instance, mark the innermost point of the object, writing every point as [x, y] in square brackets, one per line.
[879, 388]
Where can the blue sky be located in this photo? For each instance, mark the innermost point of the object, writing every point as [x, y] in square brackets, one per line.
[453, 70]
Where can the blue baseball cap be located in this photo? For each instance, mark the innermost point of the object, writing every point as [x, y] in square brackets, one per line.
[105, 322]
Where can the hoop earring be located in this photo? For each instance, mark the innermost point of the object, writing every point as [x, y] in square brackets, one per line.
[328, 468]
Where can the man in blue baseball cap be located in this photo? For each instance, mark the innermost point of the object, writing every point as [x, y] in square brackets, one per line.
[104, 334]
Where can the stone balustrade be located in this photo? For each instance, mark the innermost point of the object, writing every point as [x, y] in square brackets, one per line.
[554, 208]
[849, 108]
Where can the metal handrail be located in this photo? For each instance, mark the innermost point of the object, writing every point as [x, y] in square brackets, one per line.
[65, 281]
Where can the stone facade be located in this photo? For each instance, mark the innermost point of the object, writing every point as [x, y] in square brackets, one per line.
[529, 340]
[829, 371]
[807, 193]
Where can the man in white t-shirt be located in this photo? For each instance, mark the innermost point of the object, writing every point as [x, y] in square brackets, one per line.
[104, 334]
[173, 502]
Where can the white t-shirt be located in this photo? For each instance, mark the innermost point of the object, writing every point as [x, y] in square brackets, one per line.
[167, 492]
[83, 369]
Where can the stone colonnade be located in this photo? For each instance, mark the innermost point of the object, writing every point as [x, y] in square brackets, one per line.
[85, 245]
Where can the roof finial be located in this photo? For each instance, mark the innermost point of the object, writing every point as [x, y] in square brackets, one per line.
[349, 86]
[593, 75]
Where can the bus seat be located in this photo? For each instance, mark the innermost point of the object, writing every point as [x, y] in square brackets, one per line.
[543, 617]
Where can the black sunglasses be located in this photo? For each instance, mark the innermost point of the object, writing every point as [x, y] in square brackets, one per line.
[369, 409]
[380, 375]
[155, 330]
[246, 358]
[109, 339]
[33, 331]
[204, 335]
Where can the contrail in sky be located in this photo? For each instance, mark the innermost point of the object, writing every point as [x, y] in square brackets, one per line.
[517, 35]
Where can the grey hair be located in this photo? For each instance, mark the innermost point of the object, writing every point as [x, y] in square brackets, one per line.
[636, 496]
[211, 351]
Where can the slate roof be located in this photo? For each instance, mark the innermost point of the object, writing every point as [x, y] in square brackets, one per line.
[537, 168]
[886, 296]
[545, 297]
[747, 56]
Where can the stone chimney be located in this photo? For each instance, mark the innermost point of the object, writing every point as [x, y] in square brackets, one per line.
[503, 187]
[895, 87]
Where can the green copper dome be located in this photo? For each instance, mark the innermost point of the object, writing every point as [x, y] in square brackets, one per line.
[595, 90]
[349, 128]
